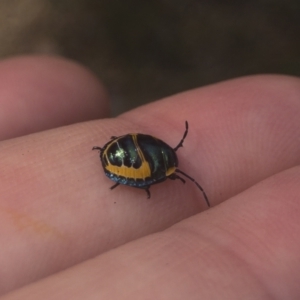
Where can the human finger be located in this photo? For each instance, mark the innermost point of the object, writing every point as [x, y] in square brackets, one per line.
[56, 197]
[41, 92]
[246, 248]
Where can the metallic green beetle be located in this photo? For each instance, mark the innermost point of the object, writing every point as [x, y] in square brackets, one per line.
[141, 160]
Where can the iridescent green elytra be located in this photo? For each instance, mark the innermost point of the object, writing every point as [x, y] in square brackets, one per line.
[141, 160]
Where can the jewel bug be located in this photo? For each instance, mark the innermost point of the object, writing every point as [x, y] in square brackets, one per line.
[141, 160]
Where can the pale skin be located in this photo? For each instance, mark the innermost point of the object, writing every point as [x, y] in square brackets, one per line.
[57, 212]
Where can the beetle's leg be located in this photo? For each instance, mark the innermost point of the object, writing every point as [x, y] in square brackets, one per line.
[115, 185]
[97, 148]
[184, 136]
[147, 191]
[175, 176]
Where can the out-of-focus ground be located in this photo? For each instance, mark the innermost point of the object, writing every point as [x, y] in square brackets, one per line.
[145, 50]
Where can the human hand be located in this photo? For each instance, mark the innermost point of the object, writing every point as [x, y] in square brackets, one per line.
[57, 211]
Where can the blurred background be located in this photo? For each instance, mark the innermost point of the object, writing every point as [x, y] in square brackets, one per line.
[146, 50]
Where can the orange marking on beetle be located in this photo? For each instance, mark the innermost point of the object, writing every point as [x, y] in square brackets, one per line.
[142, 172]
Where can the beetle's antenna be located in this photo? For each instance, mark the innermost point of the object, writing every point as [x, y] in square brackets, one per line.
[184, 136]
[198, 185]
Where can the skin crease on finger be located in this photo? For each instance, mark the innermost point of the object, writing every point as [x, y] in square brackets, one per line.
[43, 92]
[57, 209]
[246, 248]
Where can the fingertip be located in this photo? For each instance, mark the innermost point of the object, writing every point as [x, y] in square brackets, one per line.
[43, 92]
